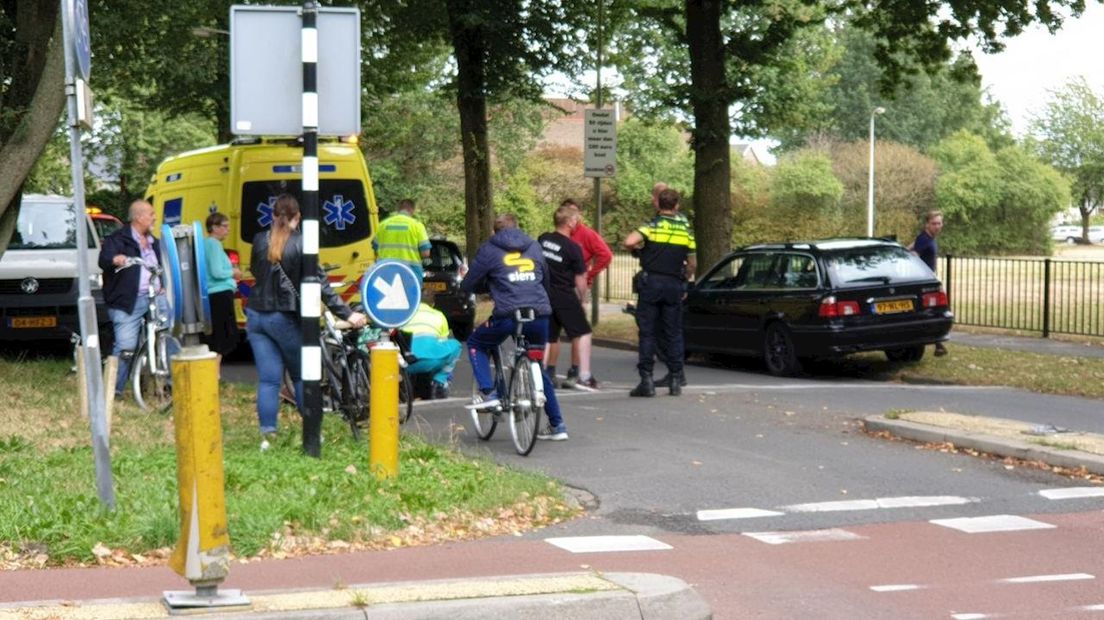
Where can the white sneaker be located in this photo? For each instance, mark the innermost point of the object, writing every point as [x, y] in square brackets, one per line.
[553, 434]
[265, 445]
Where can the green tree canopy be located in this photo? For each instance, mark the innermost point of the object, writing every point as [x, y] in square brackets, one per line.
[1069, 133]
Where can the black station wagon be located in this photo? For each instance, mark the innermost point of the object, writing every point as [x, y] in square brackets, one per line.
[793, 301]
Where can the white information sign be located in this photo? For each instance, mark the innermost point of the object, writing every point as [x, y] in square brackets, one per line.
[600, 139]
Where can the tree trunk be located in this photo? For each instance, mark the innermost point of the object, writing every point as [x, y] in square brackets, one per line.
[471, 65]
[35, 112]
[709, 100]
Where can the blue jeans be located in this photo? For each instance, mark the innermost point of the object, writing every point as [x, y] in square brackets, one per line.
[128, 327]
[492, 333]
[435, 355]
[277, 344]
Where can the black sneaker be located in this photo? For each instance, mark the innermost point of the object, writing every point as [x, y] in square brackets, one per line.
[439, 391]
[590, 383]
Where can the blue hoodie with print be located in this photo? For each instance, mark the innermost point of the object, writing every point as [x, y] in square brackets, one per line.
[511, 266]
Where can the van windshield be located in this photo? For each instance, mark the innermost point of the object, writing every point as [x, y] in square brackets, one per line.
[342, 209]
[47, 226]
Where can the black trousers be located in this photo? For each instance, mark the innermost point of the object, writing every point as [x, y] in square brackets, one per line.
[659, 315]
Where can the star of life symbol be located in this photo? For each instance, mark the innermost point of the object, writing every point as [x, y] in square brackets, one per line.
[264, 212]
[339, 212]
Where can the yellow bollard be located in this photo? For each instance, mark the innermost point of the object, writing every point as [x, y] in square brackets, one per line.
[383, 430]
[202, 553]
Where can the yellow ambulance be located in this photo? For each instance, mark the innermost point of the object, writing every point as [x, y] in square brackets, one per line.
[242, 181]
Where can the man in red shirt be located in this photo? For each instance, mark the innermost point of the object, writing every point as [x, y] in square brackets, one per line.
[597, 256]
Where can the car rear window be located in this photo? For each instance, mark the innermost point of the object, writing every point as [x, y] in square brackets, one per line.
[342, 209]
[876, 264]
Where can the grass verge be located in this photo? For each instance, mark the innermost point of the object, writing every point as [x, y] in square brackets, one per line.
[965, 365]
[279, 503]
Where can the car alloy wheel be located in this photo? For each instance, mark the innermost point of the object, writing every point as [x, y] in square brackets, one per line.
[779, 352]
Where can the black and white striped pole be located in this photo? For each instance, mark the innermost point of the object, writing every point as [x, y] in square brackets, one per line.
[310, 308]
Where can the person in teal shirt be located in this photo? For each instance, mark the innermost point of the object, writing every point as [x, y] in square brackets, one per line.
[435, 350]
[403, 238]
[222, 284]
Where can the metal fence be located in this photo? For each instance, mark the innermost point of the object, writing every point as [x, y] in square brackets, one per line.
[1027, 294]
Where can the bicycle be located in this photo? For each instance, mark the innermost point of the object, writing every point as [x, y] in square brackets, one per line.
[150, 372]
[346, 374]
[522, 397]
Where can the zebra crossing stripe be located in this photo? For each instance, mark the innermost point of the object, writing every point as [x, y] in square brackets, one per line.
[992, 523]
[1072, 492]
[605, 544]
[736, 513]
[1049, 578]
[781, 538]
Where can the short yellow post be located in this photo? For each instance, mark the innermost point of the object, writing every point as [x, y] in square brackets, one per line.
[383, 430]
[202, 553]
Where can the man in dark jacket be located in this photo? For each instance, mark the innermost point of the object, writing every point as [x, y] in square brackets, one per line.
[511, 267]
[125, 292]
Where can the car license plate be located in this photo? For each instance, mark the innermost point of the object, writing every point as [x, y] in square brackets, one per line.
[437, 286]
[27, 322]
[893, 307]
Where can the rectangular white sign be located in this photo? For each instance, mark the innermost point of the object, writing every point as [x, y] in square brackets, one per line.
[266, 71]
[600, 140]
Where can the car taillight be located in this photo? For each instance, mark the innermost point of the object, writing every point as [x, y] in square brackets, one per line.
[235, 260]
[937, 299]
[830, 307]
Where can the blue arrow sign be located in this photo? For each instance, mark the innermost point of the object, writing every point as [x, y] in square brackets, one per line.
[82, 47]
[391, 293]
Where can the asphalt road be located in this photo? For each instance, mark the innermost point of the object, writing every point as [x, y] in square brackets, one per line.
[739, 438]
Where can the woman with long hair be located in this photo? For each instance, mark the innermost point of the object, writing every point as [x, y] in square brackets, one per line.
[222, 283]
[272, 314]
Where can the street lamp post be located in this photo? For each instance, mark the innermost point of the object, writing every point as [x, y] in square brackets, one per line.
[870, 184]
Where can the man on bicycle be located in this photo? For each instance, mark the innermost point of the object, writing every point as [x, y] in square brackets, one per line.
[511, 267]
[125, 291]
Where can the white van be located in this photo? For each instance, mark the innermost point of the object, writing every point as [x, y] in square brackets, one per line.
[38, 273]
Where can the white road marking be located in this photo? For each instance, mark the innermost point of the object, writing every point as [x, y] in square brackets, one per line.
[896, 587]
[603, 544]
[1092, 608]
[781, 538]
[993, 523]
[735, 513]
[968, 616]
[911, 501]
[1072, 492]
[1048, 578]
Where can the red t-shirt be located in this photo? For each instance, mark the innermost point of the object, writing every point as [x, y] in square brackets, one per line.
[594, 247]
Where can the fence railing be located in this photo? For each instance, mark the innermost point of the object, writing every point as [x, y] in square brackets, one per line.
[1042, 295]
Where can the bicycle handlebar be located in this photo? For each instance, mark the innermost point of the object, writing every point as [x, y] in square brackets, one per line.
[137, 260]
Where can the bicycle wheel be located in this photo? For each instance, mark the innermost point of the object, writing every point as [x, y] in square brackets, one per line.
[525, 408]
[332, 382]
[485, 422]
[406, 396]
[358, 396]
[152, 379]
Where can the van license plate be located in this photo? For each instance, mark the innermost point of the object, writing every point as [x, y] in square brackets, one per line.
[30, 322]
[893, 307]
[437, 286]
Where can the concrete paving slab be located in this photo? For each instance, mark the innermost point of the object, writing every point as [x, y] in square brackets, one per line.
[564, 595]
[998, 436]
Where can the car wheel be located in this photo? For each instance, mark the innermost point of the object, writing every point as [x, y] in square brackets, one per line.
[1071, 240]
[779, 352]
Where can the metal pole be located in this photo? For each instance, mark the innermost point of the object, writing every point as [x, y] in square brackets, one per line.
[870, 183]
[310, 306]
[598, 180]
[86, 306]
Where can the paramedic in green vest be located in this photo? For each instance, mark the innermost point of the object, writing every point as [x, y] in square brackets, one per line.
[403, 238]
[435, 350]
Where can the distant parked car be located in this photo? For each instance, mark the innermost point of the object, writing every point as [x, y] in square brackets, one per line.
[1073, 234]
[788, 302]
[444, 269]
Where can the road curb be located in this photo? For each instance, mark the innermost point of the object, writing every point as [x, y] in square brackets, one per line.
[990, 444]
[581, 595]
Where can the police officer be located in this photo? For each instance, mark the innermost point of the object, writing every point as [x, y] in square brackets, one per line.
[666, 247]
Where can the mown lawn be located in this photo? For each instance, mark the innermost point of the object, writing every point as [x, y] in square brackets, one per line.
[278, 502]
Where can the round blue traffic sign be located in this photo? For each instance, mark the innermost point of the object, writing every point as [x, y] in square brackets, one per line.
[391, 293]
[82, 40]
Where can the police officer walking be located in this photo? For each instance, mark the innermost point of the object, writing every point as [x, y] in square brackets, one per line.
[666, 247]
